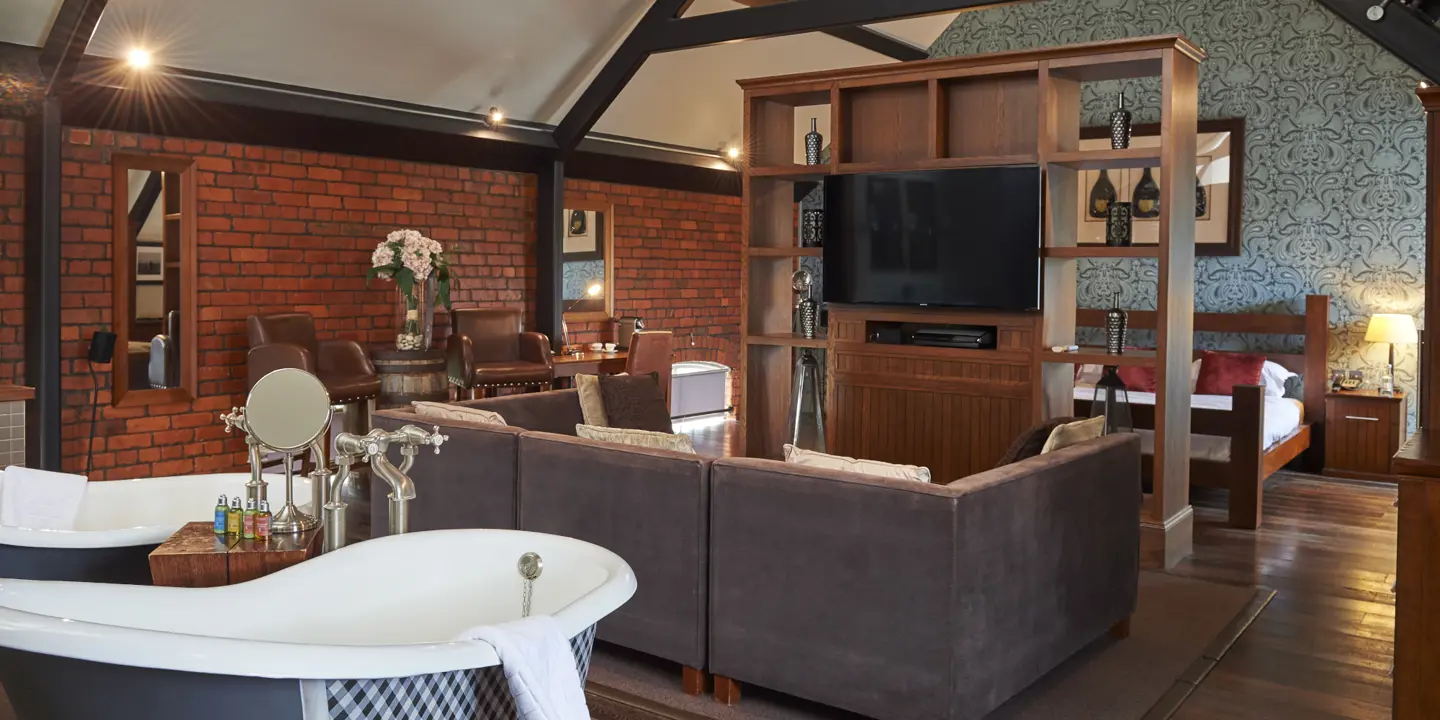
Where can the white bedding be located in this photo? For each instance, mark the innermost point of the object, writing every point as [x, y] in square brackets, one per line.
[1282, 417]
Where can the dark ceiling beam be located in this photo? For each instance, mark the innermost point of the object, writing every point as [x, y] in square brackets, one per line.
[615, 74]
[65, 45]
[663, 30]
[872, 40]
[1407, 33]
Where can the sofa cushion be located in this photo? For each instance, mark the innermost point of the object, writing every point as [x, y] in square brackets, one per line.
[637, 438]
[592, 406]
[635, 402]
[554, 411]
[1032, 439]
[810, 458]
[446, 411]
[1074, 433]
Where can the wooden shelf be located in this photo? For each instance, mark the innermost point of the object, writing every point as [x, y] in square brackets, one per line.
[1093, 251]
[797, 172]
[947, 163]
[785, 252]
[1098, 356]
[787, 340]
[172, 216]
[1107, 159]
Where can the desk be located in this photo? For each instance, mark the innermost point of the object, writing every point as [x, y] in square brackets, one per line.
[589, 363]
[196, 557]
[1417, 578]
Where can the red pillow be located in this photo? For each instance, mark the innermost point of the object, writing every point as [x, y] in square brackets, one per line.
[1137, 379]
[1220, 372]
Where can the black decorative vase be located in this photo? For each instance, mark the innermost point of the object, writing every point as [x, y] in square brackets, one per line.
[1116, 321]
[812, 228]
[1120, 125]
[1146, 197]
[1101, 195]
[812, 144]
[808, 311]
[1118, 225]
[1202, 201]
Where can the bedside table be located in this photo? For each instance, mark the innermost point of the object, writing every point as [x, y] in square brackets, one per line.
[1363, 429]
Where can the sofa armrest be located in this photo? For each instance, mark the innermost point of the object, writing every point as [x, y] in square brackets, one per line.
[344, 357]
[460, 360]
[265, 359]
[535, 348]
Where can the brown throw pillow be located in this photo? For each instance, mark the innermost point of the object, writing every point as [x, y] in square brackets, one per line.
[635, 402]
[1032, 439]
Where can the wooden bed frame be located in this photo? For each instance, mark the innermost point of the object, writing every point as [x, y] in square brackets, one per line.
[1250, 461]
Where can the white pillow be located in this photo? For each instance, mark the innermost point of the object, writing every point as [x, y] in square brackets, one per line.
[1194, 375]
[1074, 433]
[445, 411]
[1273, 377]
[810, 458]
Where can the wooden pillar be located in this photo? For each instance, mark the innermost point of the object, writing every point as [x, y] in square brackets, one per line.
[549, 246]
[43, 133]
[1429, 359]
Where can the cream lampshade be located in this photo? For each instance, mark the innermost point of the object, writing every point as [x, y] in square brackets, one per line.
[1391, 328]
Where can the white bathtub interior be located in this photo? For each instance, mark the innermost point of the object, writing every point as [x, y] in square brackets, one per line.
[118, 504]
[380, 592]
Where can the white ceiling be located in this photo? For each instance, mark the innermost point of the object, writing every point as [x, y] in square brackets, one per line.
[531, 58]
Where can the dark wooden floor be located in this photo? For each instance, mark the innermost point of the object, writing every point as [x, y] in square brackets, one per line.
[1323, 647]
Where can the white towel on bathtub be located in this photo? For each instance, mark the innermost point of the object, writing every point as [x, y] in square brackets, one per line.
[539, 666]
[40, 499]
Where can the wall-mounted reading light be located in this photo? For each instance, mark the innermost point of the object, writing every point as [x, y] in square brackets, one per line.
[138, 58]
[497, 116]
[732, 152]
[595, 290]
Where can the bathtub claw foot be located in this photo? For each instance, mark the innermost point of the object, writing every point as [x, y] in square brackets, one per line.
[692, 680]
[727, 691]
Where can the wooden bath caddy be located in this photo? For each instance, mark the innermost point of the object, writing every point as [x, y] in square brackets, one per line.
[196, 557]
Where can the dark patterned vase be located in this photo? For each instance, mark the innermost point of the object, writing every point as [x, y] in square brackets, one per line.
[1116, 321]
[1202, 201]
[809, 314]
[1118, 225]
[1120, 126]
[812, 144]
[812, 228]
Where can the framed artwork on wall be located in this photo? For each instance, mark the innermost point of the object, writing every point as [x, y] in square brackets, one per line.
[1220, 181]
[149, 264]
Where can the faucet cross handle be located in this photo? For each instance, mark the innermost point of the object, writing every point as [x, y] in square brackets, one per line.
[233, 419]
[437, 439]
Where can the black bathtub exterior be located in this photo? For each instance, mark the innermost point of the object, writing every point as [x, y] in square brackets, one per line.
[120, 565]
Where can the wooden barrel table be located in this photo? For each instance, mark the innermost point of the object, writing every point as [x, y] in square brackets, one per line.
[409, 375]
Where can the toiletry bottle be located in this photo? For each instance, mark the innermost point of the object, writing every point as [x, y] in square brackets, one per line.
[232, 518]
[247, 521]
[262, 521]
[222, 509]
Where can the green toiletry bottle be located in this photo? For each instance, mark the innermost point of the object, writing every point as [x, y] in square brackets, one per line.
[247, 522]
[232, 518]
[222, 509]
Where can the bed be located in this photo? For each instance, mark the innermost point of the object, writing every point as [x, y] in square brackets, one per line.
[1239, 441]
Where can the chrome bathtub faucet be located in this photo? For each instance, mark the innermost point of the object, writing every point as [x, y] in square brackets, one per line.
[372, 448]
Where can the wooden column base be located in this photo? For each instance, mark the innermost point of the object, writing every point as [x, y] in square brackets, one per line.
[1121, 630]
[1162, 546]
[727, 691]
[692, 680]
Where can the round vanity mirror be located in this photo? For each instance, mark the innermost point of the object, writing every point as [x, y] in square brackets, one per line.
[288, 409]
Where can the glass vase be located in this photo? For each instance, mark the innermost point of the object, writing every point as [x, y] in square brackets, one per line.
[415, 316]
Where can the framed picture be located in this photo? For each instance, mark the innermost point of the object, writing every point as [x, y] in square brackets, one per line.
[584, 236]
[149, 263]
[1220, 178]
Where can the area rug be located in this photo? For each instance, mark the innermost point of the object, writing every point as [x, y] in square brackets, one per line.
[1180, 629]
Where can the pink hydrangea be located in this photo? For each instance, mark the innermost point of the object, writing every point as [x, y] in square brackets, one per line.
[383, 256]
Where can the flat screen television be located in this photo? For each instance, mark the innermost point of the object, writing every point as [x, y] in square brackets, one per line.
[957, 238]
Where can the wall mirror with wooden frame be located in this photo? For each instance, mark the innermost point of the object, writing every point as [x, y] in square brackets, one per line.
[588, 260]
[154, 302]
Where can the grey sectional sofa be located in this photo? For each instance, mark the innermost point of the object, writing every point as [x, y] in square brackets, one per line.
[887, 598]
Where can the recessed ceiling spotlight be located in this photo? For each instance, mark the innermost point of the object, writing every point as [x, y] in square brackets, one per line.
[138, 58]
[496, 116]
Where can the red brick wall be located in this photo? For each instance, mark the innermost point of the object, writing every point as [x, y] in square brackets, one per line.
[12, 251]
[278, 230]
[677, 267]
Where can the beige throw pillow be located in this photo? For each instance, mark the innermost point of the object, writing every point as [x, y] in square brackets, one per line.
[637, 438]
[592, 405]
[810, 458]
[1074, 433]
[445, 411]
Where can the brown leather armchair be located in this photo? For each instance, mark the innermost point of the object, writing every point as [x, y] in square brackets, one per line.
[489, 348]
[652, 351]
[287, 340]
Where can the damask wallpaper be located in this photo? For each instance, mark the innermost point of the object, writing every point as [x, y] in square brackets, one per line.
[1334, 166]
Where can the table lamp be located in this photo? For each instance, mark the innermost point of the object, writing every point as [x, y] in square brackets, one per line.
[1391, 328]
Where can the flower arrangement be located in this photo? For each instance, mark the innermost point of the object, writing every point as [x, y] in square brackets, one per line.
[410, 259]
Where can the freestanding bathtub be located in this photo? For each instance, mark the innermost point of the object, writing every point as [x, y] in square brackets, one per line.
[363, 632]
[120, 522]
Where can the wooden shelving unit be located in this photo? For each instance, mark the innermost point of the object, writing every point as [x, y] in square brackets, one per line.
[1013, 108]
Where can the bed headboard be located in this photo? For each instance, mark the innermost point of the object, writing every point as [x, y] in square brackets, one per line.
[1314, 325]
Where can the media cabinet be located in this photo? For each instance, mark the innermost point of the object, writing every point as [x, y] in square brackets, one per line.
[956, 410]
